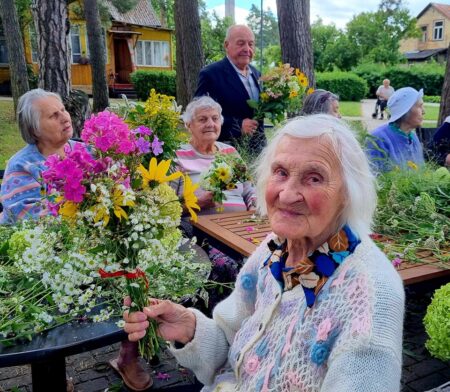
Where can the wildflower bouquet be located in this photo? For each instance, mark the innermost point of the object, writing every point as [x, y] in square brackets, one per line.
[226, 171]
[121, 220]
[283, 88]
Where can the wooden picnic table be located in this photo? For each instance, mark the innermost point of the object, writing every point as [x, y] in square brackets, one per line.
[239, 233]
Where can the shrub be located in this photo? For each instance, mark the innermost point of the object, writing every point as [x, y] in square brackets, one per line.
[437, 324]
[349, 86]
[432, 98]
[164, 82]
[429, 76]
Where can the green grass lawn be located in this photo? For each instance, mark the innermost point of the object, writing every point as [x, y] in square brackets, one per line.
[431, 115]
[350, 109]
[10, 139]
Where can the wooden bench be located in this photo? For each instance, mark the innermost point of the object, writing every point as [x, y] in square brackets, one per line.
[240, 233]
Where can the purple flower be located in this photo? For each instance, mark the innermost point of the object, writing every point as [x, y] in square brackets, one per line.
[397, 262]
[143, 145]
[157, 146]
[142, 130]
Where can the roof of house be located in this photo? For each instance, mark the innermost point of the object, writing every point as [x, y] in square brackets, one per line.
[423, 54]
[444, 9]
[141, 15]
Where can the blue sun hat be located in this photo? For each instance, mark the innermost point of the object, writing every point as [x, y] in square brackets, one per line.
[402, 101]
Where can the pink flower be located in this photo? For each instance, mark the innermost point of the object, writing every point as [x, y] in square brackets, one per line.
[324, 329]
[162, 376]
[250, 229]
[251, 366]
[396, 262]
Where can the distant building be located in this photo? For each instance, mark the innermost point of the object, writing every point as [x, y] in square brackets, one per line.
[434, 24]
[134, 40]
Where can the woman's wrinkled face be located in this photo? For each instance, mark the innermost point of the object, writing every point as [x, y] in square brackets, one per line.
[205, 126]
[55, 125]
[305, 194]
[415, 116]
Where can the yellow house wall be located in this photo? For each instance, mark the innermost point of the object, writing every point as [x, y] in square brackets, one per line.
[81, 74]
[428, 19]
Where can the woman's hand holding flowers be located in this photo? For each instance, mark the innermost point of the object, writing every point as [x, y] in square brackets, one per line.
[175, 322]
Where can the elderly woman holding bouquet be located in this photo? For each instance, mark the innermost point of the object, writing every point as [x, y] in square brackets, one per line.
[46, 127]
[317, 307]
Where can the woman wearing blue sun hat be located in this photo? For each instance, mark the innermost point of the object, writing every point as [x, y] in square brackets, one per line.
[396, 144]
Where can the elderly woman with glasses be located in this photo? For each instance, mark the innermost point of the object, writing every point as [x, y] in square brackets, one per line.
[321, 101]
[46, 127]
[318, 306]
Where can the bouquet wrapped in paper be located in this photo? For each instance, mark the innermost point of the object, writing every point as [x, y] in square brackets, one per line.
[283, 89]
[225, 172]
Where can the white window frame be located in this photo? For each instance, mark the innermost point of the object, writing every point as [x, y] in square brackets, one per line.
[438, 31]
[71, 36]
[424, 30]
[3, 40]
[141, 45]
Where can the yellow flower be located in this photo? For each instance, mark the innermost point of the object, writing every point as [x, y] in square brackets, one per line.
[157, 172]
[118, 200]
[101, 213]
[223, 173]
[309, 91]
[412, 165]
[68, 210]
[190, 200]
[302, 79]
[264, 97]
[293, 94]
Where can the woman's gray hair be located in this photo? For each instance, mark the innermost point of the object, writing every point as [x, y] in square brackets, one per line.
[319, 101]
[358, 179]
[28, 117]
[200, 103]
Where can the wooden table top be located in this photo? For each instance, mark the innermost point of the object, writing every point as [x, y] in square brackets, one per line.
[243, 232]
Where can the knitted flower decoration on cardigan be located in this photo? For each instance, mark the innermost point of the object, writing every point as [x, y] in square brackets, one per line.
[312, 272]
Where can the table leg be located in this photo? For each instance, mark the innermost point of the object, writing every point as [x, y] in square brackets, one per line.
[49, 375]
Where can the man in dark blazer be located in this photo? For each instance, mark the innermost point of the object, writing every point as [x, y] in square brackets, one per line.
[231, 82]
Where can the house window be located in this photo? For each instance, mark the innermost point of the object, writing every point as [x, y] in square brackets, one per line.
[424, 34]
[3, 48]
[438, 30]
[75, 43]
[153, 53]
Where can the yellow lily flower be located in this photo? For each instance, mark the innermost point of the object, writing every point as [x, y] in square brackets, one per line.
[68, 210]
[157, 172]
[309, 91]
[101, 214]
[118, 200]
[190, 200]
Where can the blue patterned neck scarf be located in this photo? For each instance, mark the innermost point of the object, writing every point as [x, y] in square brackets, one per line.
[313, 271]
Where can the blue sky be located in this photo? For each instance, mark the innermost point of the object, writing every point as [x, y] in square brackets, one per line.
[338, 12]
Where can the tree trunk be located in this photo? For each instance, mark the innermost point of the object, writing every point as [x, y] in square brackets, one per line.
[189, 49]
[97, 55]
[16, 52]
[444, 109]
[52, 28]
[295, 36]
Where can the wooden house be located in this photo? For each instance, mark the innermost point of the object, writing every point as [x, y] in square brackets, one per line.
[134, 40]
[434, 24]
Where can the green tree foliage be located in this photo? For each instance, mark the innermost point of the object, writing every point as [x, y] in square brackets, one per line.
[124, 6]
[164, 9]
[214, 29]
[377, 35]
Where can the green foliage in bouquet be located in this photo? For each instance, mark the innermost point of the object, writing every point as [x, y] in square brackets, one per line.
[161, 114]
[414, 210]
[226, 171]
[437, 324]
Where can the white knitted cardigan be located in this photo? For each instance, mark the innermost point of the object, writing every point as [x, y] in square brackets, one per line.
[263, 339]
